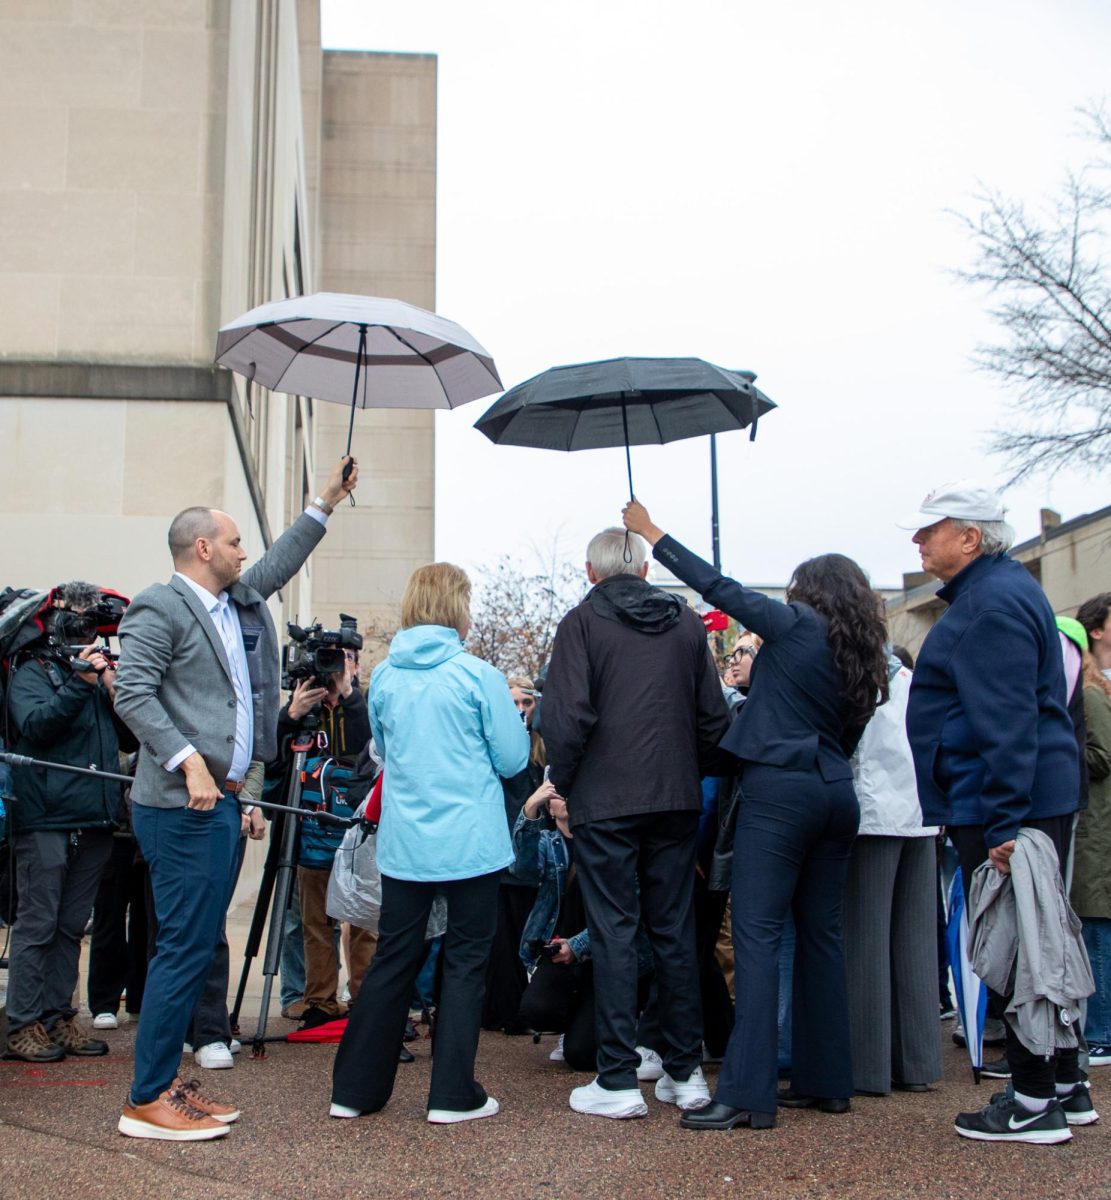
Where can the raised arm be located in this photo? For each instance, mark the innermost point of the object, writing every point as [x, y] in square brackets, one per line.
[763, 615]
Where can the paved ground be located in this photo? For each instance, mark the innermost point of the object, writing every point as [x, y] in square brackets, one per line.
[58, 1139]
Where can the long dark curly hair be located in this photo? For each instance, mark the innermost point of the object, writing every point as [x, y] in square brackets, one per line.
[835, 586]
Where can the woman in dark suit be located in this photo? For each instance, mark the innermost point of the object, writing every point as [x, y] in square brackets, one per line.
[817, 680]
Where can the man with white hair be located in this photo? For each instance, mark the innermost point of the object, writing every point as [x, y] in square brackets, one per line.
[994, 751]
[633, 711]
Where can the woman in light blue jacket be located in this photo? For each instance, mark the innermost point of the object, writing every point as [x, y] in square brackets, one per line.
[447, 729]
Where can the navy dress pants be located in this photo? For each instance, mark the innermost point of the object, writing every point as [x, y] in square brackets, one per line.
[191, 856]
[791, 854]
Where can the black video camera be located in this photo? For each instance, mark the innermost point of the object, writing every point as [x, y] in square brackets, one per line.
[317, 653]
[68, 631]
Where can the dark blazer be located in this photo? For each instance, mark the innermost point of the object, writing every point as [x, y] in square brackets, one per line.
[793, 715]
[631, 717]
[174, 683]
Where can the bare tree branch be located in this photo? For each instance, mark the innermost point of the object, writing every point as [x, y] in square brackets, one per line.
[514, 614]
[1054, 305]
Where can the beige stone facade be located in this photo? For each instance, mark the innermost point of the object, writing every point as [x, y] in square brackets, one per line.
[1070, 559]
[166, 165]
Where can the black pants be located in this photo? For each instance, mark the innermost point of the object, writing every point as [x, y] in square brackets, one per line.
[658, 851]
[560, 999]
[1031, 1074]
[118, 948]
[506, 976]
[366, 1061]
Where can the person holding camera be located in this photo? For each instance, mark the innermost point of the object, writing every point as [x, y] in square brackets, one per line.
[198, 683]
[344, 719]
[61, 709]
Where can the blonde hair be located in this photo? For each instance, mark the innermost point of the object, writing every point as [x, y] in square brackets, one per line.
[521, 681]
[437, 594]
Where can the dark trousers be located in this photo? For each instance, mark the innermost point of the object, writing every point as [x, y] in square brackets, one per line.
[118, 947]
[190, 856]
[506, 976]
[790, 853]
[1031, 1074]
[57, 874]
[658, 851]
[366, 1061]
[560, 999]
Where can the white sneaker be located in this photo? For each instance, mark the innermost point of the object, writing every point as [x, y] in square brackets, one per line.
[651, 1065]
[236, 1046]
[341, 1110]
[213, 1057]
[105, 1021]
[448, 1116]
[598, 1101]
[557, 1054]
[689, 1095]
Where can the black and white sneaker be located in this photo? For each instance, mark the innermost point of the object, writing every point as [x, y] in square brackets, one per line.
[1078, 1106]
[1000, 1068]
[1099, 1055]
[1005, 1120]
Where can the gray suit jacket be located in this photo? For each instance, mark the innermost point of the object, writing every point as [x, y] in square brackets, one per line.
[174, 685]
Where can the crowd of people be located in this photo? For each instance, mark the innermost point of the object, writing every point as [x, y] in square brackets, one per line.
[665, 859]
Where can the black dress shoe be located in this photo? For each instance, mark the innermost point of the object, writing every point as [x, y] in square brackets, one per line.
[406, 1055]
[910, 1087]
[721, 1116]
[789, 1098]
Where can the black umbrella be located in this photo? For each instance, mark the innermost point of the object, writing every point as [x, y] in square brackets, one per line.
[624, 402]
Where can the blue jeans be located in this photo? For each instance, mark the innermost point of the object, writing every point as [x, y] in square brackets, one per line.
[1096, 932]
[191, 856]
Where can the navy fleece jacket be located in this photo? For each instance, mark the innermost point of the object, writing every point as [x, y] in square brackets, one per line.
[987, 720]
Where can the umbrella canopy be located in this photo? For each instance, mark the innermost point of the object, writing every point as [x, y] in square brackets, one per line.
[624, 402]
[972, 995]
[320, 345]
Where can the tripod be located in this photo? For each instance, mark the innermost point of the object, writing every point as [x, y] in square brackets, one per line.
[277, 882]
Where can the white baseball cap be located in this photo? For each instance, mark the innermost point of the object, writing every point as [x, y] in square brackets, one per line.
[964, 499]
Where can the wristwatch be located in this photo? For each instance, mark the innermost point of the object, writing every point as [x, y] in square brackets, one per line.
[323, 505]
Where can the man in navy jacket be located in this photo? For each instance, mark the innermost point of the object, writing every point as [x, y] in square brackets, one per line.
[994, 748]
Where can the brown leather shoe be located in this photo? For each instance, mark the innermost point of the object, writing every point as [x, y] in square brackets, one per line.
[170, 1118]
[216, 1109]
[32, 1045]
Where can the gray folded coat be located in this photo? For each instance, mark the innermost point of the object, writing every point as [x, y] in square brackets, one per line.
[1024, 942]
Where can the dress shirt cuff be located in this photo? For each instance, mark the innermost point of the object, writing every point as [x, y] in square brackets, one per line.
[316, 514]
[172, 764]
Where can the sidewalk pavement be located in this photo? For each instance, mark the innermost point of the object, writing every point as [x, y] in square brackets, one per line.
[58, 1137]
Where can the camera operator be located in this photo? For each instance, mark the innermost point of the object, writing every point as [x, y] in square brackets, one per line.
[61, 709]
[344, 719]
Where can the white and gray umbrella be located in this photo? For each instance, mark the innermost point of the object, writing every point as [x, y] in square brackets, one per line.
[365, 351]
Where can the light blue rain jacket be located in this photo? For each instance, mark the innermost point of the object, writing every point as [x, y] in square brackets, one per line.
[446, 727]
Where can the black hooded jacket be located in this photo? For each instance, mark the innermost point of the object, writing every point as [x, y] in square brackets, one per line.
[633, 707]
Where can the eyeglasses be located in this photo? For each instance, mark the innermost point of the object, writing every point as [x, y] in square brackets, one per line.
[743, 652]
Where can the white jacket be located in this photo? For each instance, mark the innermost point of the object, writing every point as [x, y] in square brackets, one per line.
[883, 769]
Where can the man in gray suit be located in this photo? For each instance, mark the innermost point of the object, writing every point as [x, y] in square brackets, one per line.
[198, 685]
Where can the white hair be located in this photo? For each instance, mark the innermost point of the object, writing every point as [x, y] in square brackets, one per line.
[608, 556]
[995, 536]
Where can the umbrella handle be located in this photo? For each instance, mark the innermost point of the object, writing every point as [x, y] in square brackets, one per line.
[360, 358]
[627, 555]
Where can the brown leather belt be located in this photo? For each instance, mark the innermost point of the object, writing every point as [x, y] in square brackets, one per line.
[235, 786]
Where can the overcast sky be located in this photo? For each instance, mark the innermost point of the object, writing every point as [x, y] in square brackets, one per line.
[762, 185]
